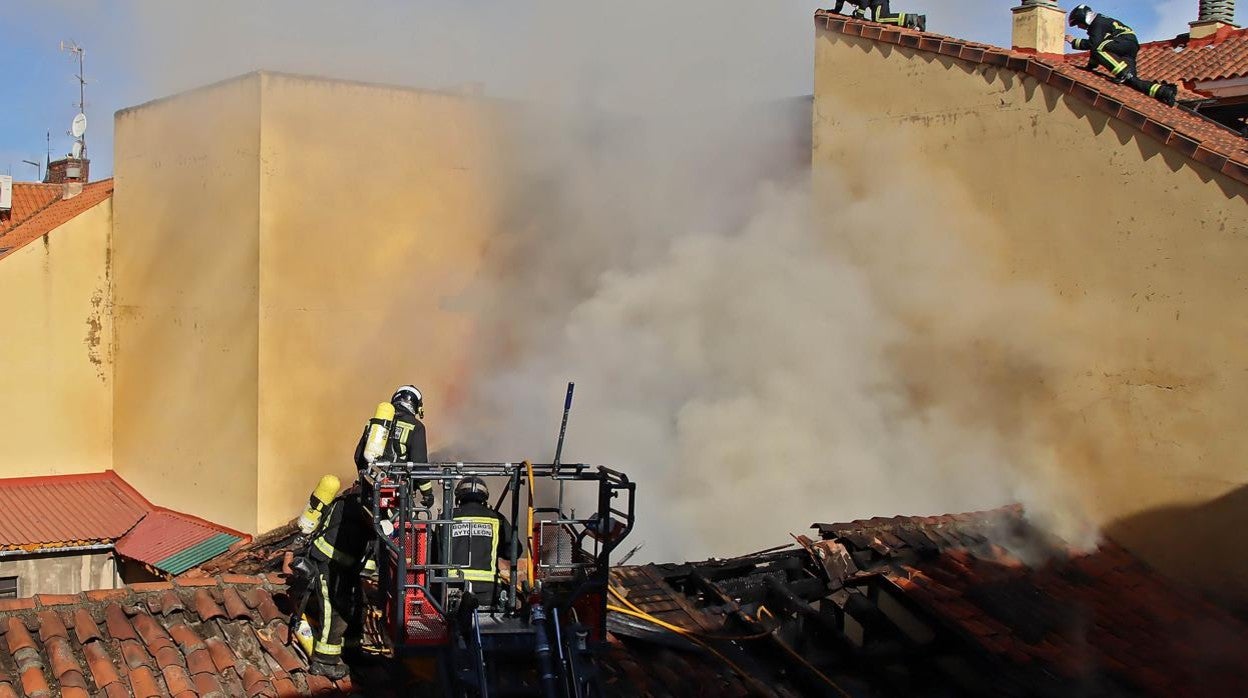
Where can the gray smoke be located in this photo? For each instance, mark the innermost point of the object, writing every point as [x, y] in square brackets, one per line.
[759, 350]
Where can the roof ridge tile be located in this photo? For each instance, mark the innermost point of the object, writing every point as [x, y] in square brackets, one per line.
[1219, 147]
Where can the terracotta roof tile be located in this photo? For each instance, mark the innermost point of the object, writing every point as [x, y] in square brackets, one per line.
[89, 509]
[1100, 613]
[1182, 59]
[28, 199]
[85, 628]
[43, 210]
[119, 647]
[1223, 149]
[235, 608]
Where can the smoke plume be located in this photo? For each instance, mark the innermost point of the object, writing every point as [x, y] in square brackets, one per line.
[757, 345]
[757, 350]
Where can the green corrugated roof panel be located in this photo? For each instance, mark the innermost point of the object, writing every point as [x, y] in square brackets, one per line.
[200, 552]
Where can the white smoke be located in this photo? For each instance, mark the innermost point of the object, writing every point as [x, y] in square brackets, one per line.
[757, 358]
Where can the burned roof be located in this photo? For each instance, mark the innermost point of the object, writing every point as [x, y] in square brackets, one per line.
[972, 604]
[1197, 138]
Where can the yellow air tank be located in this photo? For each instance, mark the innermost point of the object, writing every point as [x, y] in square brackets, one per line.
[378, 432]
[321, 497]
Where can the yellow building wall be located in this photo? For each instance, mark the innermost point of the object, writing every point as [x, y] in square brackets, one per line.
[186, 286]
[56, 369]
[375, 207]
[1144, 249]
[281, 267]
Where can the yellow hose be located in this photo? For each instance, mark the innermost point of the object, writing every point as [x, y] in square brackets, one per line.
[758, 686]
[693, 636]
[529, 530]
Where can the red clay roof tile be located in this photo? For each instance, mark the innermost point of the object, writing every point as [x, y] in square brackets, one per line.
[260, 600]
[235, 608]
[100, 664]
[34, 683]
[118, 625]
[206, 606]
[134, 654]
[1182, 59]
[28, 199]
[208, 685]
[222, 656]
[1222, 145]
[107, 594]
[199, 661]
[143, 683]
[51, 625]
[17, 636]
[1102, 612]
[30, 225]
[85, 628]
[177, 680]
[62, 661]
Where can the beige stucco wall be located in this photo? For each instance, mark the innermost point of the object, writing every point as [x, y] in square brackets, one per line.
[67, 573]
[1143, 251]
[56, 373]
[281, 268]
[186, 288]
[375, 206]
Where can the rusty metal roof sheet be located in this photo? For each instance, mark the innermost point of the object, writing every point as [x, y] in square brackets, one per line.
[67, 510]
[172, 543]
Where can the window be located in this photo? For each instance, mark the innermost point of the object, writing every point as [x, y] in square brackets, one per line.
[8, 587]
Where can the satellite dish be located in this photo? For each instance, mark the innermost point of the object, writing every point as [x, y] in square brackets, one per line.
[75, 151]
[79, 126]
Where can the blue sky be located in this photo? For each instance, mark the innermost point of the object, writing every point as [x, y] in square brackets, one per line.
[646, 50]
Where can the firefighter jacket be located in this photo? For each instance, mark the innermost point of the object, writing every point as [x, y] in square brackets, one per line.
[344, 531]
[406, 444]
[479, 536]
[1101, 30]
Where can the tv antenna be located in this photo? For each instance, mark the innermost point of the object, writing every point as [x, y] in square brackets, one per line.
[79, 128]
[38, 168]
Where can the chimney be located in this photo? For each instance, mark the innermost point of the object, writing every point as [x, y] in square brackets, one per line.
[1039, 27]
[70, 173]
[67, 170]
[1214, 16]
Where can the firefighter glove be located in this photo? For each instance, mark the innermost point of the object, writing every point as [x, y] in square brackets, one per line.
[427, 499]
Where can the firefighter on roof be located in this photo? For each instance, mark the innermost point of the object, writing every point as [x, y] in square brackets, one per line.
[480, 541]
[1112, 44]
[332, 565]
[881, 14]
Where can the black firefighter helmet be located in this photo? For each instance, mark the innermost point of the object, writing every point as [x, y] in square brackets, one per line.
[1079, 16]
[471, 489]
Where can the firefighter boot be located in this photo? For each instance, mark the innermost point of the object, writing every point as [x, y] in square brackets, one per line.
[918, 22]
[332, 669]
